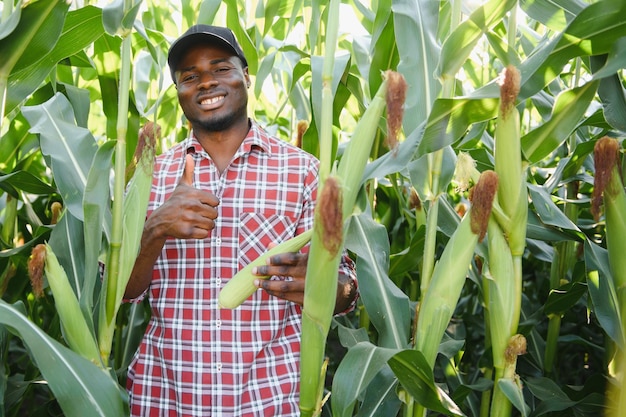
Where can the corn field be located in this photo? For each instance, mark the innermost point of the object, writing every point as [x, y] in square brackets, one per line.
[486, 214]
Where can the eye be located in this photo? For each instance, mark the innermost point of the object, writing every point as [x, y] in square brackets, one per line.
[187, 77]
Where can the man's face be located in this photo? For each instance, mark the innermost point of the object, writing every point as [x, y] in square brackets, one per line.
[212, 88]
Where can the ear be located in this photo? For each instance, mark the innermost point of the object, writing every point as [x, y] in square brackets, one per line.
[247, 77]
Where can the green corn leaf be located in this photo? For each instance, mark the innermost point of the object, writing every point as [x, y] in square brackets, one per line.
[36, 33]
[391, 314]
[70, 148]
[513, 392]
[415, 23]
[555, 14]
[462, 41]
[610, 90]
[594, 31]
[67, 241]
[25, 181]
[603, 293]
[415, 374]
[567, 113]
[548, 211]
[81, 388]
[450, 119]
[96, 207]
[354, 374]
[80, 29]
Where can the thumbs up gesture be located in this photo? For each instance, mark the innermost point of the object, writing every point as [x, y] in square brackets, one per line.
[189, 213]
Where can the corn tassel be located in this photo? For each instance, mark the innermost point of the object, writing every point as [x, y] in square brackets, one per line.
[75, 329]
[241, 286]
[450, 272]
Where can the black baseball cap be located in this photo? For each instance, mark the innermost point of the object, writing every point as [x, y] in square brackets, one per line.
[203, 34]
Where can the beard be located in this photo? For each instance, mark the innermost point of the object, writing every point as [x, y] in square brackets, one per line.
[222, 122]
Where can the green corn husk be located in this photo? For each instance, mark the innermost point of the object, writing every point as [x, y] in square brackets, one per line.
[608, 184]
[319, 304]
[241, 286]
[134, 210]
[450, 272]
[357, 152]
[498, 296]
[75, 329]
[135, 207]
[507, 239]
[608, 189]
[512, 194]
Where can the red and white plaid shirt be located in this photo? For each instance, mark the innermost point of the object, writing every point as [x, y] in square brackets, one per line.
[195, 358]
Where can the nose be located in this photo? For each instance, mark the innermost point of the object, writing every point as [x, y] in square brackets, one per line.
[206, 79]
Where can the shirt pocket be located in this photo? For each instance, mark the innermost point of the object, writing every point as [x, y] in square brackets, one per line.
[258, 230]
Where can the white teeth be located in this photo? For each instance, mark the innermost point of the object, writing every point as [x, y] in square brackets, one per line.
[212, 100]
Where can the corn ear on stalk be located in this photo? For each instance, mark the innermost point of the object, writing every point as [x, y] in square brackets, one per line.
[608, 184]
[320, 294]
[335, 204]
[134, 210]
[508, 241]
[609, 190]
[506, 282]
[241, 286]
[358, 150]
[497, 274]
[136, 204]
[512, 194]
[450, 272]
[75, 329]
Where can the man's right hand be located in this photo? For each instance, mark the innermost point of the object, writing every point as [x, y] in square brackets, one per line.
[189, 213]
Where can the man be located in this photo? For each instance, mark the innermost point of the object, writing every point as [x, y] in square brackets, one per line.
[220, 199]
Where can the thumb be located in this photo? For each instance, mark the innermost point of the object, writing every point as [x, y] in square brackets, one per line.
[188, 169]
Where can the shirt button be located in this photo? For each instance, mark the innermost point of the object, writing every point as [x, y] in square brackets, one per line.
[218, 281]
[218, 241]
[218, 323]
[218, 367]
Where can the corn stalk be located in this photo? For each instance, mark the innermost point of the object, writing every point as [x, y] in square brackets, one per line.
[503, 274]
[128, 212]
[435, 164]
[337, 196]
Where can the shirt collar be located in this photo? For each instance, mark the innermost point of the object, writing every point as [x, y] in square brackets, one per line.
[256, 137]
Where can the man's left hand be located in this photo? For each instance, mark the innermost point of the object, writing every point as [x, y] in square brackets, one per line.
[291, 269]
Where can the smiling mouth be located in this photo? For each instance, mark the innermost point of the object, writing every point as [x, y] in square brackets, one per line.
[212, 100]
